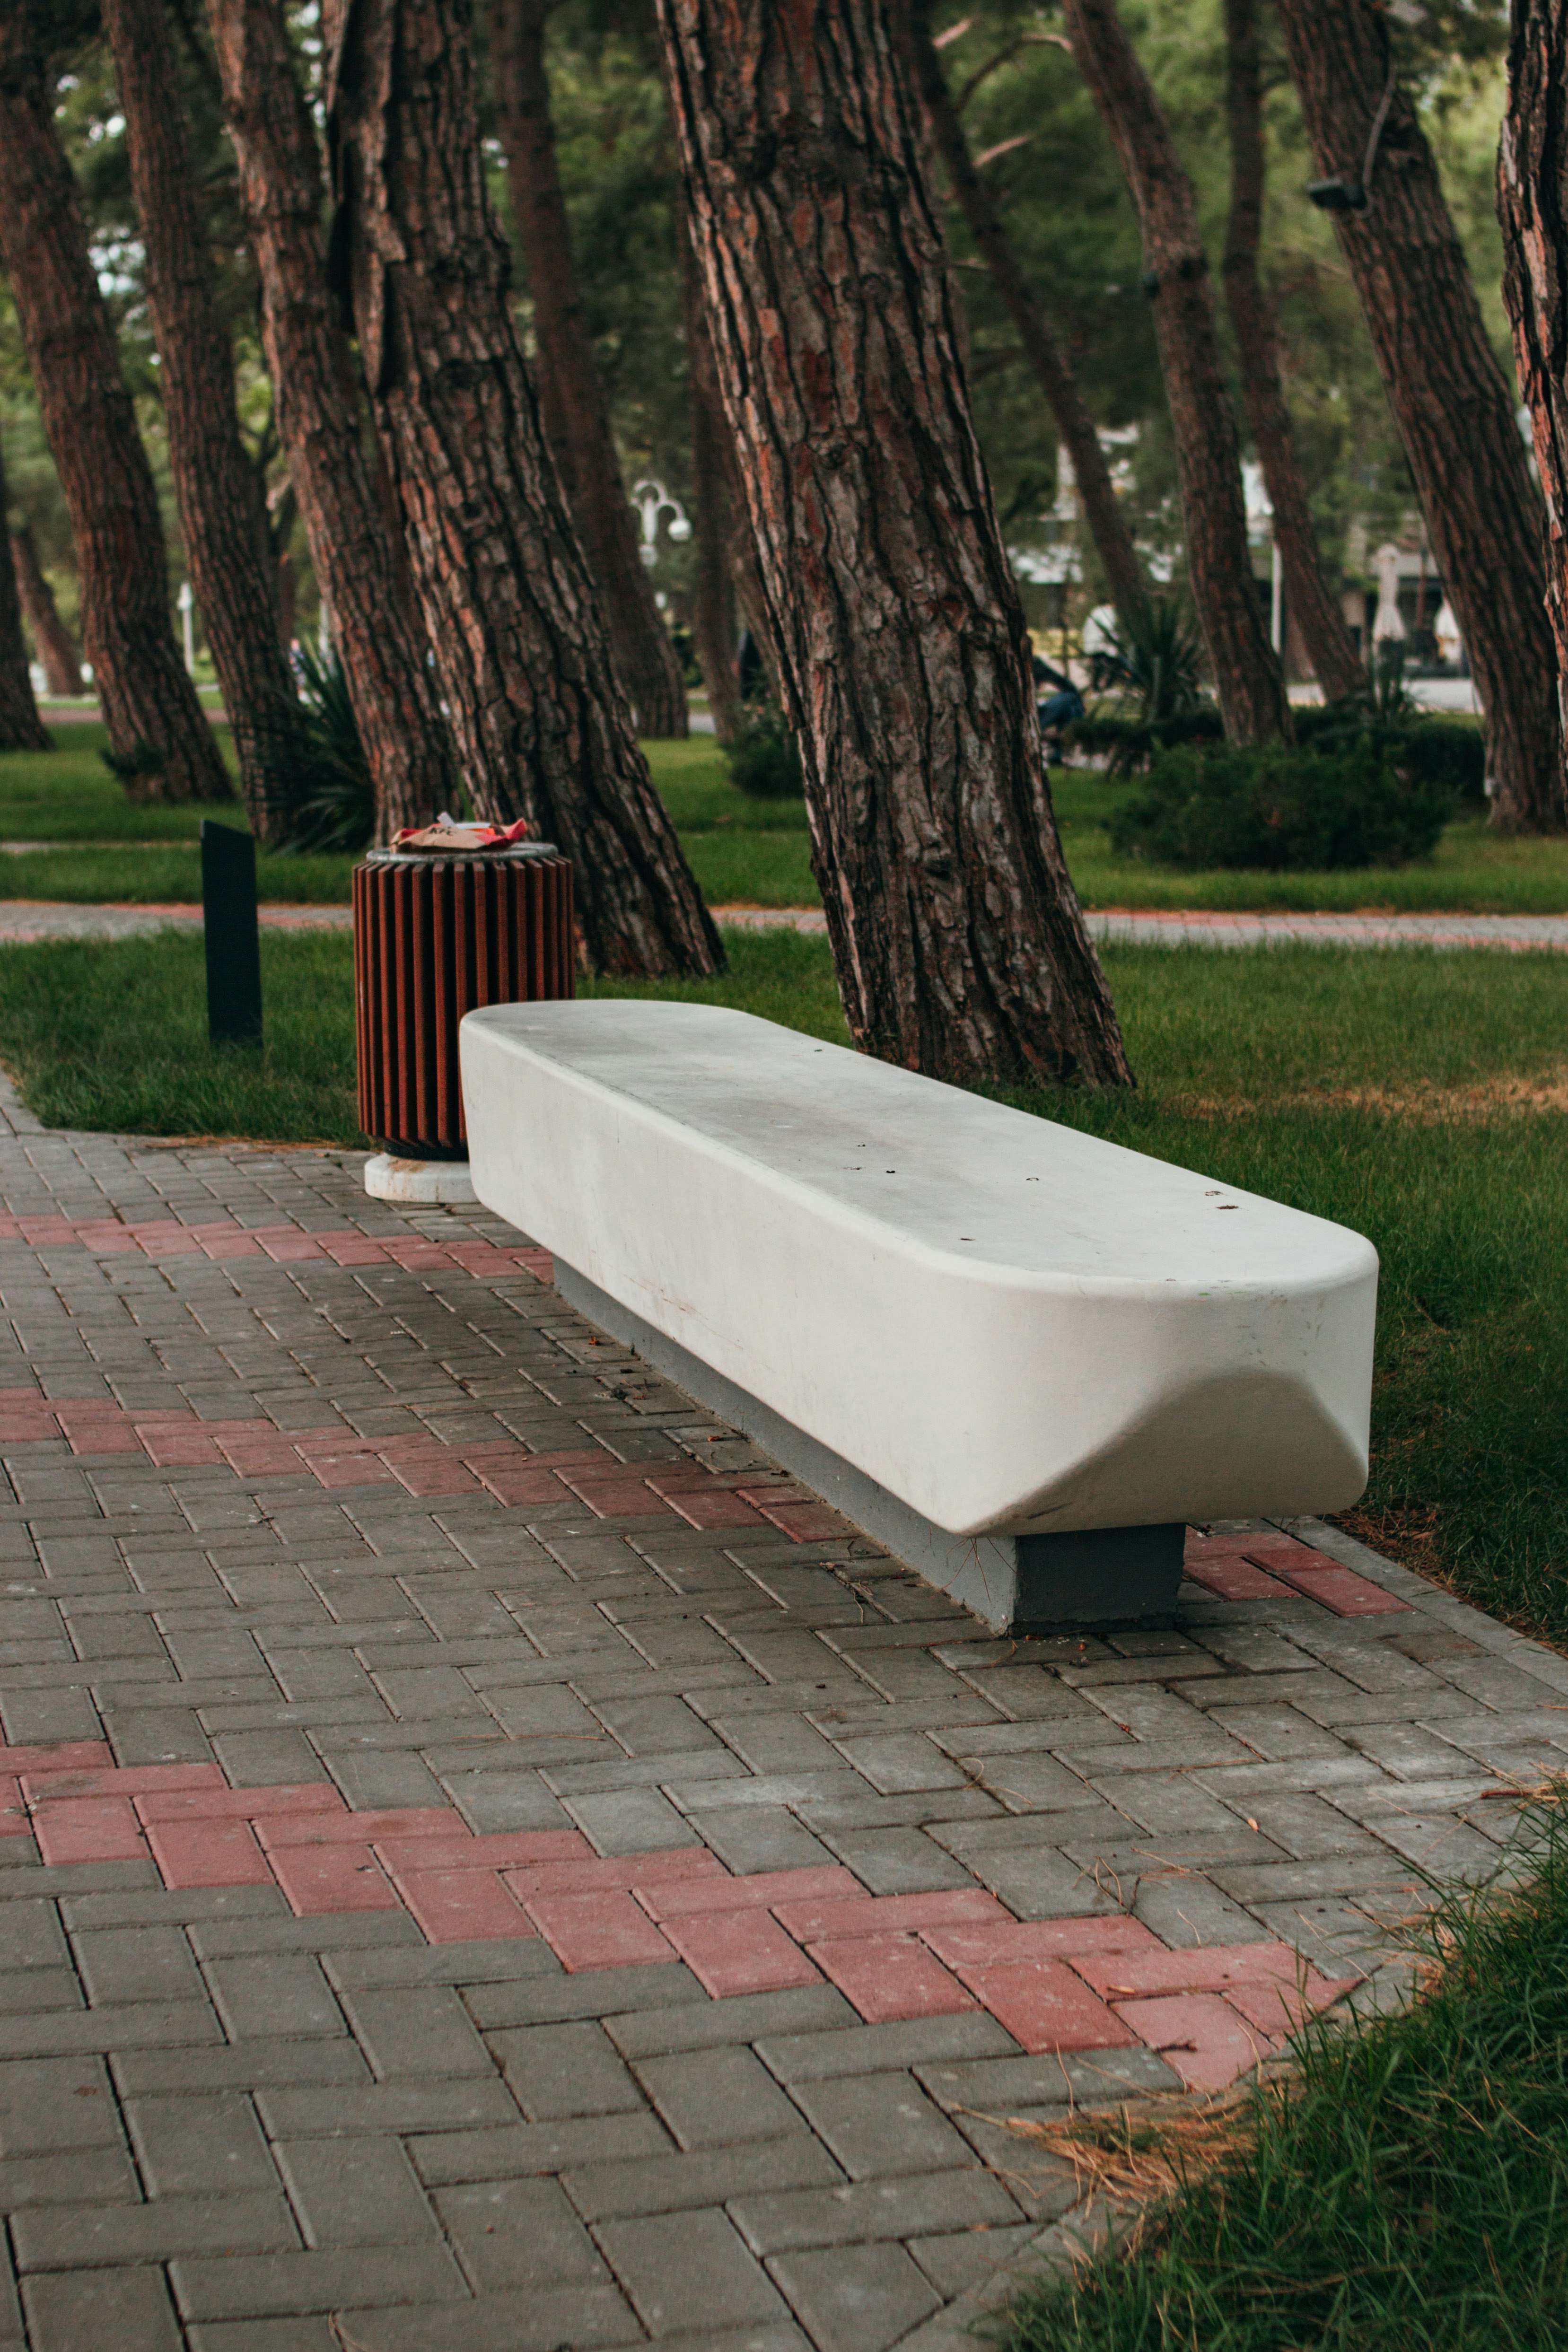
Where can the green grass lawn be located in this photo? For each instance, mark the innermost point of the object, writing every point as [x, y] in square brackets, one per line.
[743, 852]
[1403, 2192]
[1417, 1096]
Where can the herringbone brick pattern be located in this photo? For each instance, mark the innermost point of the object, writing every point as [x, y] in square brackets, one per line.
[485, 1860]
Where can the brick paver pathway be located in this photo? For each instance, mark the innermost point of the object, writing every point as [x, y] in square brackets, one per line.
[488, 1861]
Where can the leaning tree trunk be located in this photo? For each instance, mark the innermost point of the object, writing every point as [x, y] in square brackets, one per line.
[1454, 408]
[21, 729]
[356, 546]
[214, 487]
[714, 623]
[157, 728]
[520, 649]
[904, 655]
[1248, 678]
[1330, 648]
[575, 412]
[55, 646]
[1532, 202]
[1054, 371]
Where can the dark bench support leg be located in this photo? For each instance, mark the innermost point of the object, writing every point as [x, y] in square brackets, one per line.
[1023, 1583]
[1096, 1575]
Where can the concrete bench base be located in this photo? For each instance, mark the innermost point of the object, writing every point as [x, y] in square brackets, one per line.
[1015, 1583]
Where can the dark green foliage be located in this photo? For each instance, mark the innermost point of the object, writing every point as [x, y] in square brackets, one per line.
[1280, 809]
[1445, 755]
[1129, 744]
[339, 815]
[764, 758]
[1407, 2193]
[1154, 657]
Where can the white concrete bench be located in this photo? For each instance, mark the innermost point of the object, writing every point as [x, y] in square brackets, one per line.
[1019, 1357]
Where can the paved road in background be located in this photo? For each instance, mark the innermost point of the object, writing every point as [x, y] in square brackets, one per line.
[37, 918]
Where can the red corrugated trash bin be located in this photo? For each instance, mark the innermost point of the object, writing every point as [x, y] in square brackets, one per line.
[437, 934]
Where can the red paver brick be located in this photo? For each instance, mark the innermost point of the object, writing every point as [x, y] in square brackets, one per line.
[888, 1976]
[89, 1829]
[537, 1262]
[232, 1246]
[456, 1906]
[974, 1945]
[334, 1438]
[27, 1429]
[241, 1804]
[1044, 2006]
[461, 1850]
[618, 1873]
[345, 1469]
[66, 1756]
[331, 1878]
[1200, 2035]
[122, 1781]
[210, 1853]
[889, 1915]
[1234, 1578]
[715, 1509]
[605, 1930]
[14, 1818]
[1205, 1968]
[1279, 2009]
[187, 1450]
[96, 1432]
[623, 1499]
[314, 1828]
[433, 1473]
[739, 1951]
[763, 1888]
[260, 1457]
[1339, 1589]
[803, 1522]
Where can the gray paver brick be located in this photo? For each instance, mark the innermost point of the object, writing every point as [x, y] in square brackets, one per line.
[87, 2311]
[917, 2205]
[859, 2299]
[96, 2175]
[282, 1992]
[666, 2184]
[874, 2049]
[416, 2030]
[361, 2193]
[533, 2319]
[698, 2276]
[714, 2096]
[68, 2237]
[565, 2070]
[880, 2126]
[243, 2285]
[631, 1820]
[743, 2017]
[144, 1963]
[517, 2233]
[200, 2145]
[291, 2111]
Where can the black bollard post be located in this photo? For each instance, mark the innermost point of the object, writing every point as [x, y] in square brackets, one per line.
[234, 947]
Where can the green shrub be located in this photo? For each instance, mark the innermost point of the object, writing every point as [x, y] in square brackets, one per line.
[1447, 755]
[1278, 807]
[1129, 744]
[764, 758]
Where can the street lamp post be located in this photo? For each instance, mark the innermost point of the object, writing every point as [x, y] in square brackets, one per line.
[651, 499]
[186, 602]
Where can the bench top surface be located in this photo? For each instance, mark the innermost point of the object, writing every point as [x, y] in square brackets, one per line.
[929, 1166]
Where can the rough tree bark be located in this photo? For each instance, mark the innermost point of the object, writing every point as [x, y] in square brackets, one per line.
[55, 646]
[904, 655]
[1454, 408]
[150, 705]
[1248, 679]
[572, 399]
[222, 522]
[1309, 598]
[21, 729]
[356, 546]
[1533, 204]
[520, 649]
[1054, 370]
[714, 627]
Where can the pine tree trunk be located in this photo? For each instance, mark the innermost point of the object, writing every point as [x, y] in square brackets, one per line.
[150, 707]
[214, 487]
[1532, 205]
[1452, 405]
[903, 655]
[1248, 679]
[355, 542]
[571, 393]
[55, 646]
[520, 650]
[21, 729]
[1054, 371]
[1330, 648]
[714, 627]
